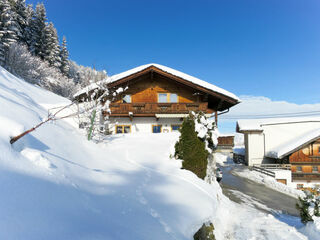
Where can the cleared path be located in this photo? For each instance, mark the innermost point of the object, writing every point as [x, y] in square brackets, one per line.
[232, 184]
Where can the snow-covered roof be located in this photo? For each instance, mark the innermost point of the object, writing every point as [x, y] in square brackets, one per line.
[171, 71]
[256, 124]
[291, 146]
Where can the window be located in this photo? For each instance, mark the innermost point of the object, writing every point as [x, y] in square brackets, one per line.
[299, 186]
[314, 168]
[162, 97]
[167, 97]
[175, 127]
[319, 150]
[126, 99]
[123, 129]
[299, 169]
[173, 97]
[156, 128]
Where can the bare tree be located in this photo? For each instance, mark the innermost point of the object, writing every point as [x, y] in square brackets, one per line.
[51, 117]
[94, 109]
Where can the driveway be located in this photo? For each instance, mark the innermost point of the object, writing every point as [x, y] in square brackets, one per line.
[242, 190]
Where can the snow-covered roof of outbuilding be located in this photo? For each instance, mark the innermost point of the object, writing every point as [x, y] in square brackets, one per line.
[293, 145]
[247, 125]
[171, 71]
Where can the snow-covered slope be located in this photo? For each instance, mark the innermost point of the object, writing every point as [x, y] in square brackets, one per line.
[55, 184]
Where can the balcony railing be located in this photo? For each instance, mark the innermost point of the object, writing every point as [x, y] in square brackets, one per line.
[157, 108]
[306, 159]
[306, 176]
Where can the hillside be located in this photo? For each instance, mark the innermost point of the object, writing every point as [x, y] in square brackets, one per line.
[55, 184]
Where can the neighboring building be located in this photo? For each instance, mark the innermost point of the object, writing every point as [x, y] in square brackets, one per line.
[225, 143]
[294, 141]
[158, 98]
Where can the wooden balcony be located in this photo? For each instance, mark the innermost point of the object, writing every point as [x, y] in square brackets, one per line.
[306, 159]
[144, 109]
[306, 176]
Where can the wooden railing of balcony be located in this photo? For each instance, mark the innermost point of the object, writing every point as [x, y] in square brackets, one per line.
[305, 176]
[306, 159]
[156, 108]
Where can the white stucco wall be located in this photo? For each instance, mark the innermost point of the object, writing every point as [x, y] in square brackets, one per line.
[144, 124]
[284, 174]
[254, 148]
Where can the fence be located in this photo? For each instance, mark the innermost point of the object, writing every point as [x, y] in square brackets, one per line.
[266, 168]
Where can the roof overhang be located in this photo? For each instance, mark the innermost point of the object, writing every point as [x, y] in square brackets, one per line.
[227, 99]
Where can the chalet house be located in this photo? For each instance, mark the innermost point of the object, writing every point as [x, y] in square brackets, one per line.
[158, 98]
[294, 141]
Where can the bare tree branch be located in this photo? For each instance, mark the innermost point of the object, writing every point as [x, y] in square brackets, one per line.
[51, 117]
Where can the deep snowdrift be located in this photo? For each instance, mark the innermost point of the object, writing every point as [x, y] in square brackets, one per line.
[55, 184]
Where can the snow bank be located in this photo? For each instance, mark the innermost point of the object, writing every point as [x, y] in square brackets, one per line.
[312, 229]
[55, 184]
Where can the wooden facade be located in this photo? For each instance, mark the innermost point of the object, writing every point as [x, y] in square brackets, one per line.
[305, 162]
[155, 99]
[143, 91]
[226, 141]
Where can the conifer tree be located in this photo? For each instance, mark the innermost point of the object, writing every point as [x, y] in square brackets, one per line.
[29, 31]
[8, 29]
[20, 10]
[64, 55]
[191, 149]
[51, 46]
[40, 30]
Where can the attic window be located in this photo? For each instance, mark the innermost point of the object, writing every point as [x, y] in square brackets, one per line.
[167, 97]
[173, 97]
[126, 98]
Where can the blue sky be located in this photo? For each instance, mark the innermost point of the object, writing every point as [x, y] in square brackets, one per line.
[250, 47]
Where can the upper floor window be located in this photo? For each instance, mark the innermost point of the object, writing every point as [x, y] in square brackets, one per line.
[319, 150]
[299, 169]
[126, 98]
[314, 168]
[167, 97]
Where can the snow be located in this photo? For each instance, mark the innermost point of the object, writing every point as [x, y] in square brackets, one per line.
[240, 150]
[312, 229]
[57, 185]
[256, 124]
[165, 69]
[287, 147]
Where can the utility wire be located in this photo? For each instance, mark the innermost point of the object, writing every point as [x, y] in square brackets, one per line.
[272, 115]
